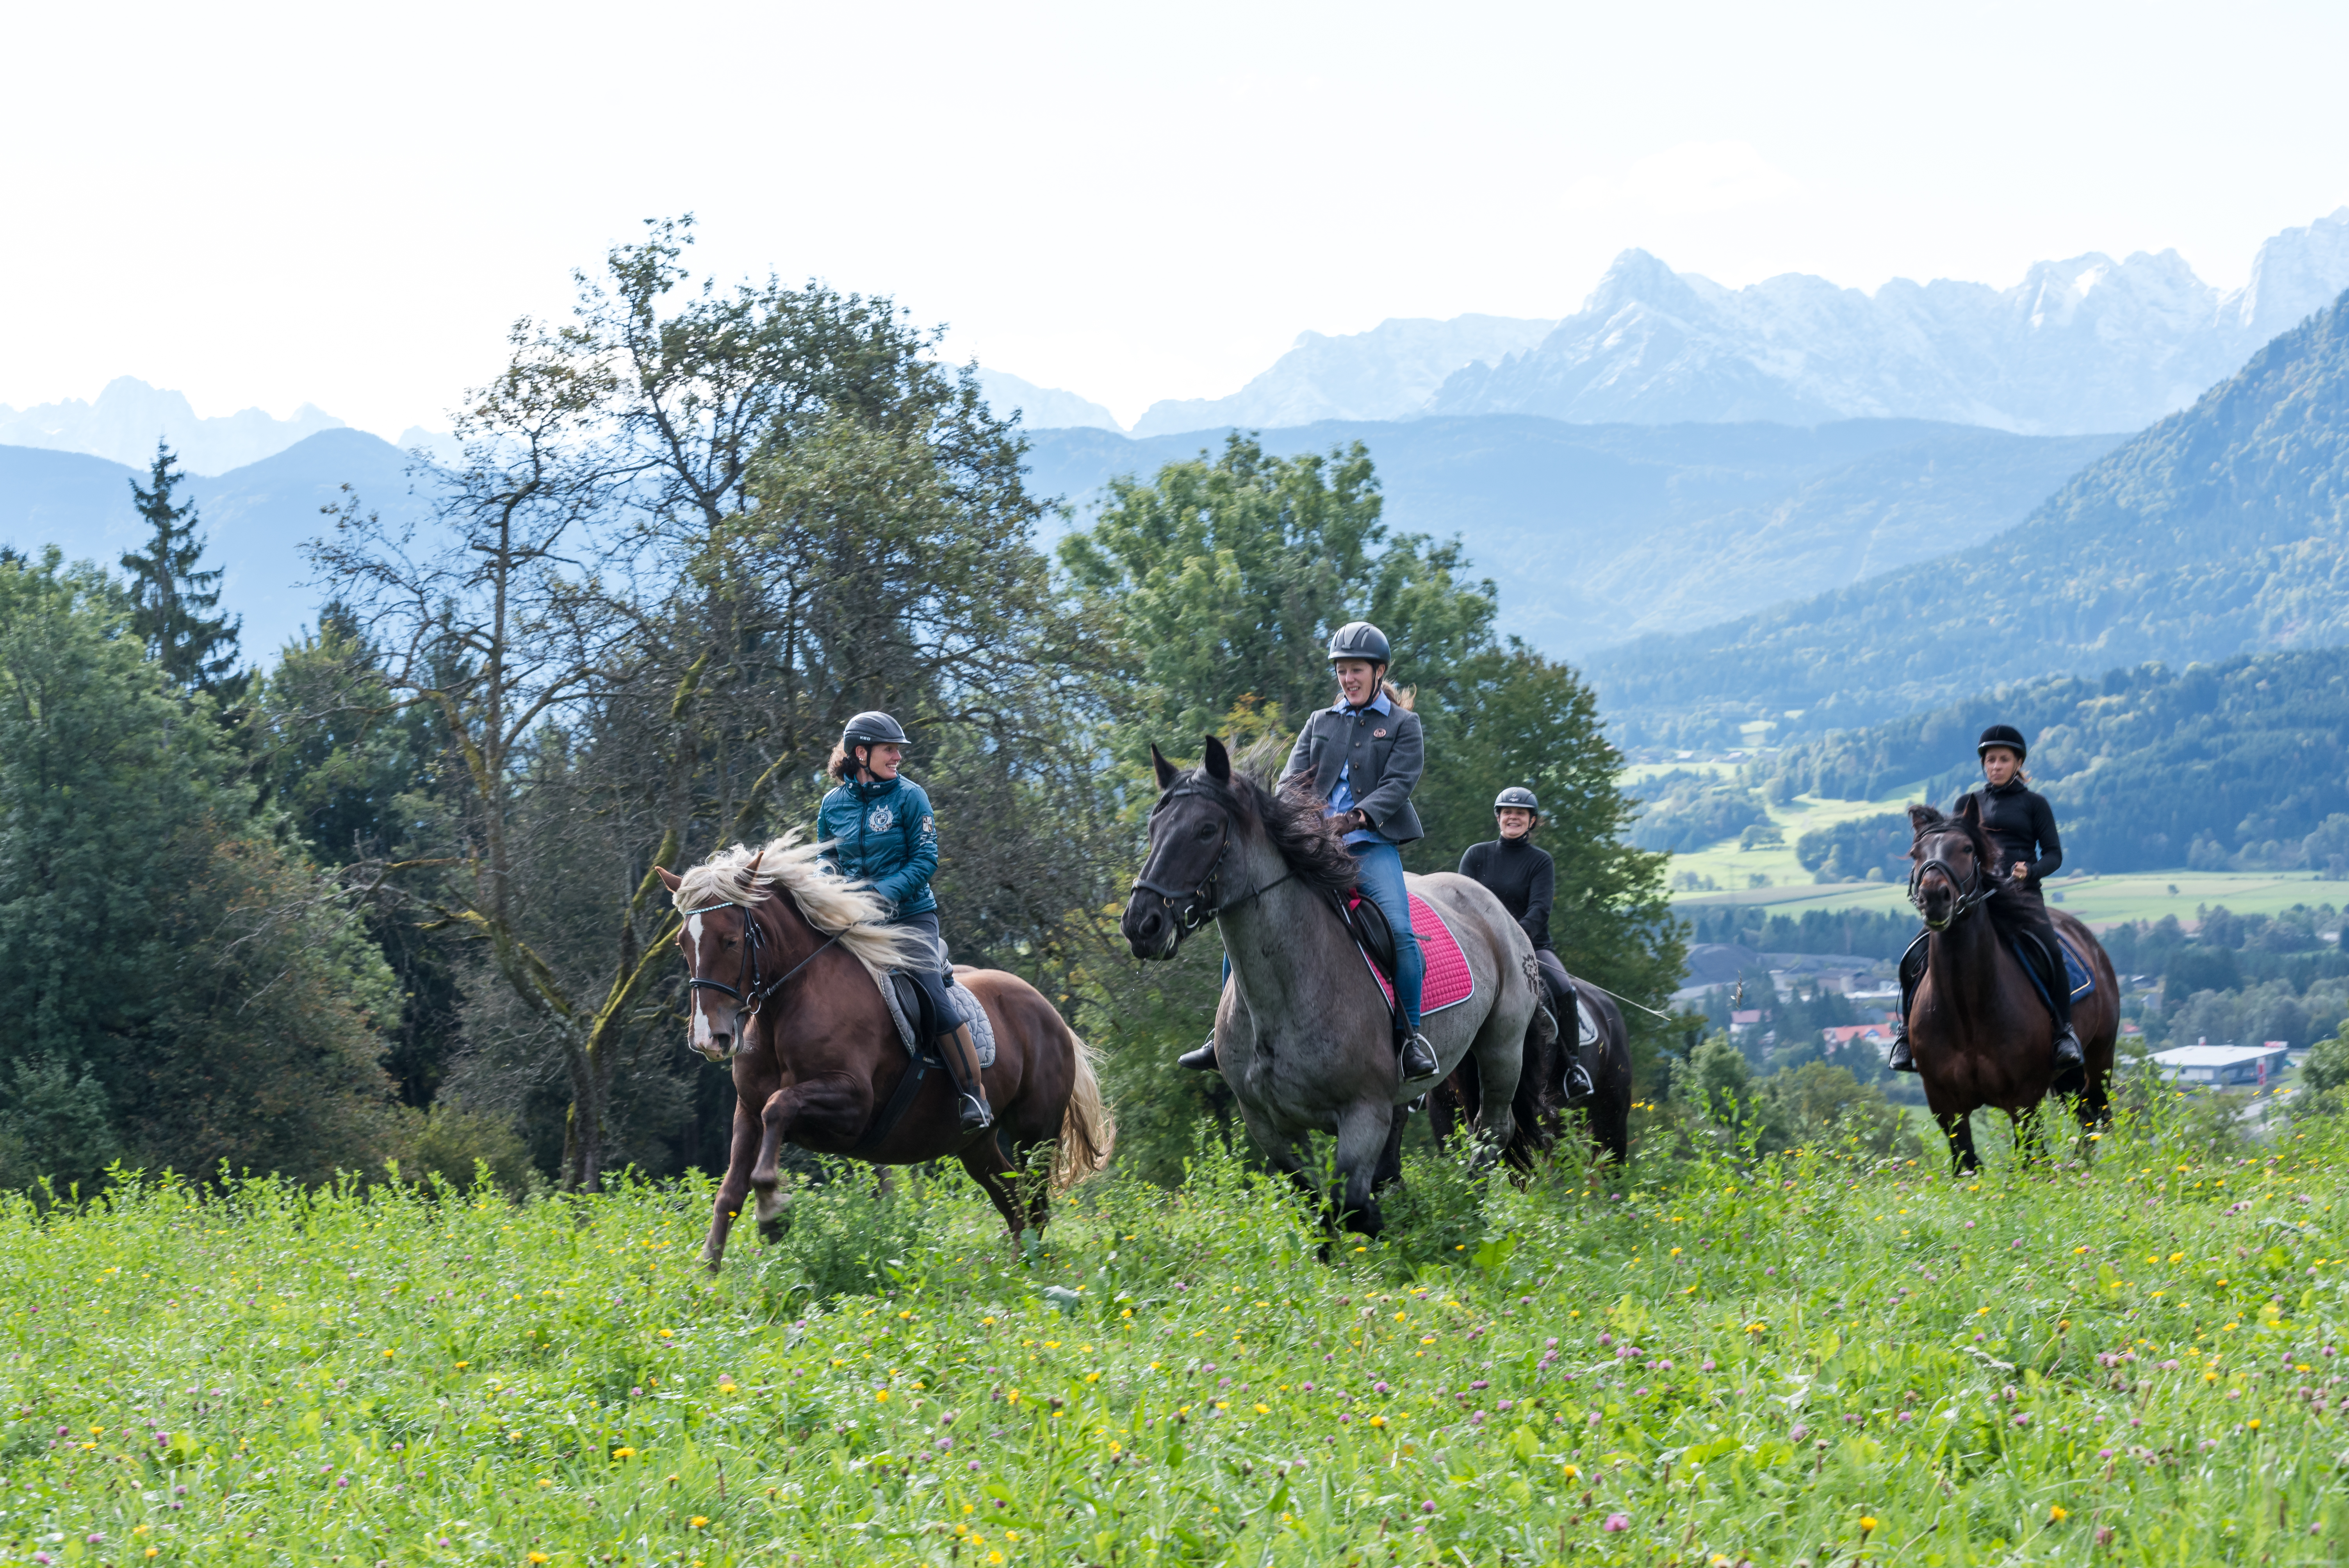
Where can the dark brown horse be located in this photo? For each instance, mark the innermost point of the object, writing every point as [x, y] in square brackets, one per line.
[1980, 1034]
[798, 954]
[1539, 1103]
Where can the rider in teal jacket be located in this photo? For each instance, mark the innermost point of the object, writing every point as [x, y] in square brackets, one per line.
[877, 827]
[883, 832]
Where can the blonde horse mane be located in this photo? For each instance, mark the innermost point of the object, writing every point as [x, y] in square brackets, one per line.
[835, 906]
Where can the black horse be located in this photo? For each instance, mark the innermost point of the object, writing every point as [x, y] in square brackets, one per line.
[1539, 1102]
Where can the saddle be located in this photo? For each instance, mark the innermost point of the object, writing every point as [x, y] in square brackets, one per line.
[2028, 951]
[918, 1027]
[1367, 925]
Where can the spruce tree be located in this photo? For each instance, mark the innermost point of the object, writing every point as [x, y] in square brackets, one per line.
[171, 599]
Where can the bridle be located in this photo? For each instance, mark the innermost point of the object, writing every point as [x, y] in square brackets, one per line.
[1980, 891]
[750, 995]
[1189, 908]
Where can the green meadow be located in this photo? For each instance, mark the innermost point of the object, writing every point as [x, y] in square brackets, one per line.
[1712, 1359]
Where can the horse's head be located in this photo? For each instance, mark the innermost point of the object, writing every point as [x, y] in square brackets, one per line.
[720, 942]
[1949, 862]
[1191, 829]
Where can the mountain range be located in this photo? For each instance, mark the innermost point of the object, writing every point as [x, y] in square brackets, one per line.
[254, 519]
[2078, 345]
[1387, 373]
[2222, 530]
[129, 415]
[2088, 344]
[1599, 532]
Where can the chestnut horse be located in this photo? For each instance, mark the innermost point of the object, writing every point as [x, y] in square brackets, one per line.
[1981, 1032]
[817, 1060]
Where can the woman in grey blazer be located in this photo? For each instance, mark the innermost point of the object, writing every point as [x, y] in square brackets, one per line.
[1362, 754]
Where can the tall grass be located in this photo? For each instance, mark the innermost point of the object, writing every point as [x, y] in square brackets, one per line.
[1806, 1357]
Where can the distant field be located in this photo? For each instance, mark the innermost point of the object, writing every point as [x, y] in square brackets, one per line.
[1734, 868]
[2098, 900]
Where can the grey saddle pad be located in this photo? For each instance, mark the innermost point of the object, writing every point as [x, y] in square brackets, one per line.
[982, 1032]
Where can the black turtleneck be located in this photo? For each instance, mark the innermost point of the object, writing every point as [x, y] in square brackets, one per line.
[1521, 876]
[2021, 822]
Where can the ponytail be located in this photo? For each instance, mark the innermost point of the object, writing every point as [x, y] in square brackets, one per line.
[841, 766]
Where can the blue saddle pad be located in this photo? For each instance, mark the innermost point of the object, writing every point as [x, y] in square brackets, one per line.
[2077, 973]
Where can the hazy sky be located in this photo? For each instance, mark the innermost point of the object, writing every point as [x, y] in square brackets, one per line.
[270, 205]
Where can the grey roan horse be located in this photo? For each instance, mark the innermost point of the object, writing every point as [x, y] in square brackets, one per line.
[1302, 1033]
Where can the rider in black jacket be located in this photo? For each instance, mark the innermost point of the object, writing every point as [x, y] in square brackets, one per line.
[2022, 826]
[1524, 880]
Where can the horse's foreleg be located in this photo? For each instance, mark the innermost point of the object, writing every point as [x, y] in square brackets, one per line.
[1362, 1130]
[833, 1103]
[1958, 1129]
[735, 1187]
[1390, 1170]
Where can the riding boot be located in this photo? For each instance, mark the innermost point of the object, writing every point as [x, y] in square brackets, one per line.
[962, 1062]
[2070, 1061]
[1901, 1058]
[1201, 1058]
[1418, 1058]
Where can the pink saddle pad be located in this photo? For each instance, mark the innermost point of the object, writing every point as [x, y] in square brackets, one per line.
[1450, 981]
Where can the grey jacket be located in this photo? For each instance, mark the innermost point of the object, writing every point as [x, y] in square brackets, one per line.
[1381, 755]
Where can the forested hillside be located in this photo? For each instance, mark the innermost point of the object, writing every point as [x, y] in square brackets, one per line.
[2219, 530]
[2241, 764]
[393, 896]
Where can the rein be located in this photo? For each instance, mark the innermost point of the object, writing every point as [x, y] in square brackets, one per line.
[1184, 904]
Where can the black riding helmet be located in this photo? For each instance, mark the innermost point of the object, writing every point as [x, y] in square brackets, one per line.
[1359, 640]
[1518, 796]
[2005, 735]
[872, 729]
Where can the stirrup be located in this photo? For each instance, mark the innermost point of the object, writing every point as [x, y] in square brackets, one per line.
[1418, 1058]
[1579, 1084]
[1200, 1059]
[974, 1114]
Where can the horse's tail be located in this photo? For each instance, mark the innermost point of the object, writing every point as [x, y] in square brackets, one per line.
[1087, 1131]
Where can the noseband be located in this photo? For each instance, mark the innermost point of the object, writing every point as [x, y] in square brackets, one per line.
[1980, 891]
[1192, 908]
[749, 994]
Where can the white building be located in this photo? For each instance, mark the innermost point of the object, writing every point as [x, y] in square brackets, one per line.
[2221, 1065]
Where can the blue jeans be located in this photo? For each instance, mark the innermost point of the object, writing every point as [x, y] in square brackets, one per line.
[1379, 871]
[1380, 876]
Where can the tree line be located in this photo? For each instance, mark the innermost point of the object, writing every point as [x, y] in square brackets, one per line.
[393, 896]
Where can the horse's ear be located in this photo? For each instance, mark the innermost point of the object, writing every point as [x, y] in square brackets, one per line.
[669, 879]
[1969, 810]
[1218, 761]
[1167, 772]
[1921, 817]
[753, 869]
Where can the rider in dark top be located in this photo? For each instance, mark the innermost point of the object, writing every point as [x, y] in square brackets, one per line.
[2021, 825]
[1524, 880]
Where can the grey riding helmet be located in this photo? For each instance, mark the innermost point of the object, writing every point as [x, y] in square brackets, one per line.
[873, 729]
[1520, 797]
[1359, 640]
